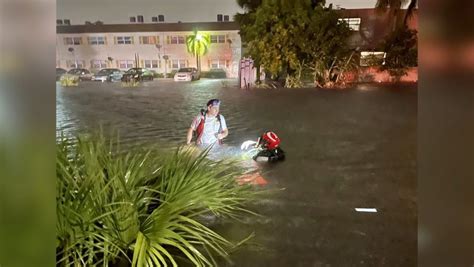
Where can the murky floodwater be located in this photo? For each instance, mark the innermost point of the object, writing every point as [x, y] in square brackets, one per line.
[345, 149]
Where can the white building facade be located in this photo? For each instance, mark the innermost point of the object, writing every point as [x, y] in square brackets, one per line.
[160, 47]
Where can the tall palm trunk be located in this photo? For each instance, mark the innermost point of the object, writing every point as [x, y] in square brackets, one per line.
[198, 62]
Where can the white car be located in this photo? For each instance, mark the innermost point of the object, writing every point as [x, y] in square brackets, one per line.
[187, 74]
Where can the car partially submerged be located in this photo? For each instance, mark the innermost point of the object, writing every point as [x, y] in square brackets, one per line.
[109, 75]
[82, 74]
[137, 74]
[60, 72]
[187, 74]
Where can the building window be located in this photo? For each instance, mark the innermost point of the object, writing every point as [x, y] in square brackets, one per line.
[218, 64]
[226, 18]
[372, 58]
[217, 38]
[124, 40]
[59, 22]
[219, 17]
[67, 22]
[149, 40]
[125, 64]
[98, 64]
[140, 19]
[161, 18]
[72, 40]
[133, 19]
[154, 19]
[152, 64]
[177, 40]
[73, 63]
[178, 63]
[354, 23]
[96, 40]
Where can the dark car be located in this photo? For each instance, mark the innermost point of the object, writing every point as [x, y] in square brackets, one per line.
[60, 72]
[108, 75]
[83, 74]
[137, 74]
[216, 74]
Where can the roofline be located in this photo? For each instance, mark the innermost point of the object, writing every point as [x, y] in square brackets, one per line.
[149, 27]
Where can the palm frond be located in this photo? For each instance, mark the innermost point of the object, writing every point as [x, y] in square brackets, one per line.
[144, 203]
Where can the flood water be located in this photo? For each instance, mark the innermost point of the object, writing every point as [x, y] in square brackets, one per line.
[345, 149]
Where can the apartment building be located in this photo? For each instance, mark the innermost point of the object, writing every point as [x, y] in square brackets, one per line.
[160, 47]
[151, 41]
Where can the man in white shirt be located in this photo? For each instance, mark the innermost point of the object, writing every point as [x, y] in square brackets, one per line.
[210, 126]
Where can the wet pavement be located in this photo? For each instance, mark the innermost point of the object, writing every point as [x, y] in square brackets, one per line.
[346, 149]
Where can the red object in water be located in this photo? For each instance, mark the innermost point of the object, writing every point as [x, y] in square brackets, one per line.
[254, 178]
[271, 139]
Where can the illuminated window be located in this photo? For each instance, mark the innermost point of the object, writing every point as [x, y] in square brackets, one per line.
[125, 64]
[98, 64]
[217, 38]
[218, 64]
[149, 40]
[152, 64]
[124, 40]
[177, 40]
[79, 64]
[96, 40]
[72, 40]
[178, 63]
[372, 58]
[354, 23]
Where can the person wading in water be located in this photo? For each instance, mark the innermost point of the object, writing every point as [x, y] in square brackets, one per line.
[210, 126]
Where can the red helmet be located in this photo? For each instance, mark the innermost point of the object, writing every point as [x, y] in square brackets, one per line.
[270, 140]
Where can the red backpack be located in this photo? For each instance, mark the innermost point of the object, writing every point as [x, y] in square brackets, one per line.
[200, 127]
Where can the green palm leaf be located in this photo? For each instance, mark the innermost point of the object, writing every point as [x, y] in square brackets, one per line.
[145, 203]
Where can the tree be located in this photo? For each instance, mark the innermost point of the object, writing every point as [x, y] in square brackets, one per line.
[198, 45]
[394, 7]
[402, 51]
[290, 37]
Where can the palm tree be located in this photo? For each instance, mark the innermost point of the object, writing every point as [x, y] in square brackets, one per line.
[395, 6]
[198, 45]
[144, 207]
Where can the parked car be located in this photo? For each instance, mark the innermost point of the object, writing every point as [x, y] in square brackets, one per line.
[60, 72]
[187, 74]
[83, 74]
[108, 75]
[137, 74]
